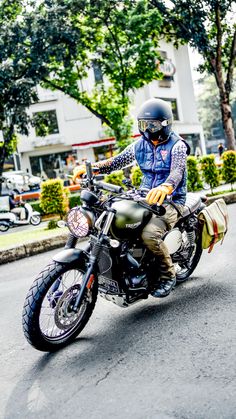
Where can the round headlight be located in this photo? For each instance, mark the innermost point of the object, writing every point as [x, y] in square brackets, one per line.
[78, 222]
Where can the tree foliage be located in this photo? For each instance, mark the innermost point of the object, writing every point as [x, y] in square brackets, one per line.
[208, 26]
[57, 42]
[119, 38]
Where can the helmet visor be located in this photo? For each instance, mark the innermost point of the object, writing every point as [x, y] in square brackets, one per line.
[152, 125]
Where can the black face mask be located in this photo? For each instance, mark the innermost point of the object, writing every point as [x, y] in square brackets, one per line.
[154, 136]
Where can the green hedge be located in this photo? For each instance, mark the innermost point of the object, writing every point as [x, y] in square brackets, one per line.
[136, 176]
[229, 167]
[194, 182]
[36, 207]
[54, 197]
[115, 178]
[209, 171]
[74, 200]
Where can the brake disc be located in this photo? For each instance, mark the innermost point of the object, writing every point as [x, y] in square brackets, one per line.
[64, 316]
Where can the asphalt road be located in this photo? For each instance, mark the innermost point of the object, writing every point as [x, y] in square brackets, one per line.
[170, 358]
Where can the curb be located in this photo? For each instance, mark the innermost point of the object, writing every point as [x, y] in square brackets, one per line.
[229, 198]
[44, 245]
[32, 248]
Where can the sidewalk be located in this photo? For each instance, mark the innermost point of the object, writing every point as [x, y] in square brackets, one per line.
[58, 241]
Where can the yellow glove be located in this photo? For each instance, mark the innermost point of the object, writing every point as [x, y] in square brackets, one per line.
[78, 172]
[158, 194]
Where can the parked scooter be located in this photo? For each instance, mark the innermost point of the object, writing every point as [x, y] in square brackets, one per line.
[10, 219]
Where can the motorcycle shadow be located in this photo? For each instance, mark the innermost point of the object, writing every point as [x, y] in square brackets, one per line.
[143, 330]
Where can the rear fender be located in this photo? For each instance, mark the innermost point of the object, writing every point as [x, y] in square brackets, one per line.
[71, 256]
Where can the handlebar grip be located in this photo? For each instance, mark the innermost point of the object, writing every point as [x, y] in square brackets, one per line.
[109, 187]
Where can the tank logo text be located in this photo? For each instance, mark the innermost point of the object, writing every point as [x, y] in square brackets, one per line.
[133, 225]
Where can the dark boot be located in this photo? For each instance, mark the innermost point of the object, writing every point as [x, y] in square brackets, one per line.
[164, 288]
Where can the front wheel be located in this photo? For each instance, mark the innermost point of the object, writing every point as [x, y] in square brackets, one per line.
[184, 270]
[49, 323]
[35, 220]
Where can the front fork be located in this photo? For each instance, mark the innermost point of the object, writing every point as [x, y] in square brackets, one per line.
[93, 258]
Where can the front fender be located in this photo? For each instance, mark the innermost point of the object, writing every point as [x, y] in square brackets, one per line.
[70, 256]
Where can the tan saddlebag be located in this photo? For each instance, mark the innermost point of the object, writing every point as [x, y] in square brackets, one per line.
[214, 222]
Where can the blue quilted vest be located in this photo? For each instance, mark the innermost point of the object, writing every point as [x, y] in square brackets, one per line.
[155, 164]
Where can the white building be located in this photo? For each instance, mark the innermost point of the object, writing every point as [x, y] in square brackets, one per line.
[76, 134]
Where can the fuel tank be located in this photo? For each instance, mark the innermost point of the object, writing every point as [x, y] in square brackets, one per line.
[129, 220]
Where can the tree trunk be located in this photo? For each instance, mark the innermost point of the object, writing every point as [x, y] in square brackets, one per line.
[228, 126]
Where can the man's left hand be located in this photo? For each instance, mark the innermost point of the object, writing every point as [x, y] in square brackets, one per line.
[158, 194]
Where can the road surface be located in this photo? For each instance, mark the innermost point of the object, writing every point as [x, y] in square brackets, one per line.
[169, 358]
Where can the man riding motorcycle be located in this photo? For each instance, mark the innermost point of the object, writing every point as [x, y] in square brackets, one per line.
[161, 155]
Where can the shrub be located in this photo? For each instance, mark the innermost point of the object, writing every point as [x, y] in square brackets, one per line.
[194, 182]
[209, 171]
[54, 198]
[136, 176]
[74, 200]
[52, 224]
[115, 178]
[36, 207]
[229, 167]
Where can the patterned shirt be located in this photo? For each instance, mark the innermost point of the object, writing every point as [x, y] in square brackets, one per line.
[127, 157]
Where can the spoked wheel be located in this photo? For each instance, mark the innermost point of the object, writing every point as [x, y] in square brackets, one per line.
[49, 322]
[184, 270]
[35, 220]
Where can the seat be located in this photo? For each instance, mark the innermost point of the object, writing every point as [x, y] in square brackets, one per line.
[192, 203]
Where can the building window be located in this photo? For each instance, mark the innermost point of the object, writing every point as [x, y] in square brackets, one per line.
[45, 123]
[52, 165]
[174, 107]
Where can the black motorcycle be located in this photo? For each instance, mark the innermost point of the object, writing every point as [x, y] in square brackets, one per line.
[62, 297]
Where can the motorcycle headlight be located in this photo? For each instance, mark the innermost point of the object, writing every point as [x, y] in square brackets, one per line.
[79, 222]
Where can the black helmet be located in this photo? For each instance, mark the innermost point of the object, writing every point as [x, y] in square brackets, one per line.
[155, 120]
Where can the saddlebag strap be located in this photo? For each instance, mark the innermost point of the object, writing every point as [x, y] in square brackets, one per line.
[216, 235]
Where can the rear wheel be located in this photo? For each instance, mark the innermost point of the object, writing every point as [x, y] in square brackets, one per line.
[185, 269]
[4, 227]
[49, 323]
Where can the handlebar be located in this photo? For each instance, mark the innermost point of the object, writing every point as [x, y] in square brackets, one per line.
[108, 186]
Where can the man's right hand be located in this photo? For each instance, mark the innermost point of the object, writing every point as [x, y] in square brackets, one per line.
[78, 172]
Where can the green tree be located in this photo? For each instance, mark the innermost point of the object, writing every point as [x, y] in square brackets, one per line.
[16, 91]
[209, 27]
[57, 42]
[117, 38]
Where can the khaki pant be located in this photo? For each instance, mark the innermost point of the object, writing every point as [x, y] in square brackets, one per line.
[20, 212]
[152, 237]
